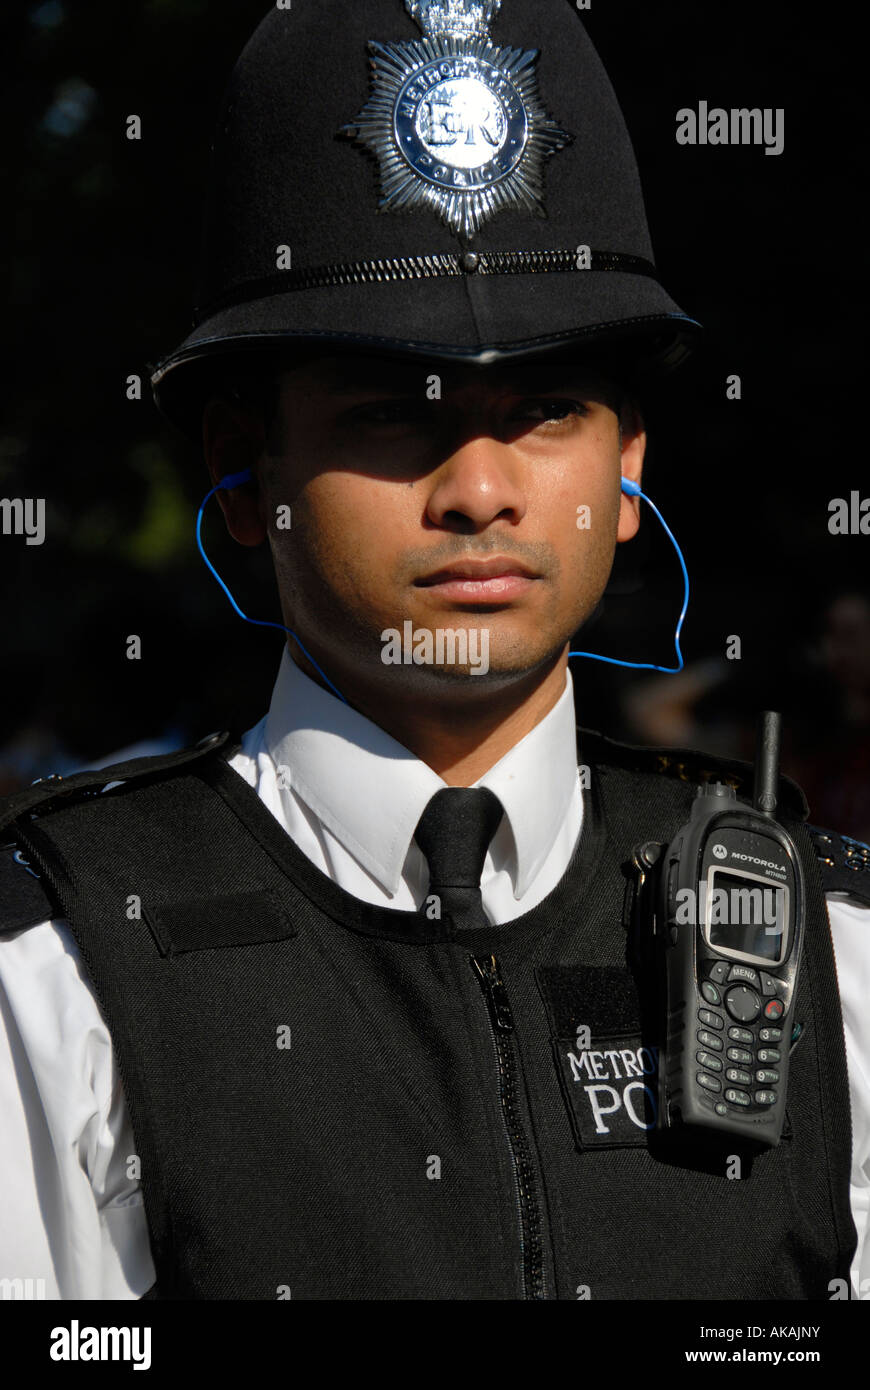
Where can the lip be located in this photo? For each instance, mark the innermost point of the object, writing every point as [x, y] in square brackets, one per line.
[480, 581]
[477, 571]
[500, 589]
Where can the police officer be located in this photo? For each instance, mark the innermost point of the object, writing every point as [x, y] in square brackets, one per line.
[345, 1009]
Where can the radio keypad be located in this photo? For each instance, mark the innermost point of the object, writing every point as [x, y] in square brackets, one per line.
[750, 997]
[743, 1004]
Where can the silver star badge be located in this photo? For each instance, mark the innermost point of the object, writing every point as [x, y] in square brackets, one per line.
[456, 122]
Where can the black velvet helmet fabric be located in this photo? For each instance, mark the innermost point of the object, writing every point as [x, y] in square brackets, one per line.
[284, 174]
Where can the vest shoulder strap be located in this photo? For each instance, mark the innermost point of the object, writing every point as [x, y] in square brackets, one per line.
[688, 765]
[25, 897]
[844, 863]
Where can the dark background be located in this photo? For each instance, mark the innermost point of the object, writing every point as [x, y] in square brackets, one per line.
[766, 251]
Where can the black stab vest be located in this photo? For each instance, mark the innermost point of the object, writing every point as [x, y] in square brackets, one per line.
[327, 1104]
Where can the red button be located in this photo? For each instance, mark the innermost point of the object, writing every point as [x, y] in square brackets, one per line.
[774, 1008]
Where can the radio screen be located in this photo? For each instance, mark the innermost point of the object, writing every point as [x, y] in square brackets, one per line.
[745, 915]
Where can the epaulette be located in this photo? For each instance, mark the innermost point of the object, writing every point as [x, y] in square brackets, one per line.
[844, 863]
[689, 765]
[25, 898]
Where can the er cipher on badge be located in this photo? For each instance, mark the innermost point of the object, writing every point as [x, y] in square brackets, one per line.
[456, 122]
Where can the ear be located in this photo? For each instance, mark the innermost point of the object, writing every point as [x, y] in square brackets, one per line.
[232, 440]
[631, 462]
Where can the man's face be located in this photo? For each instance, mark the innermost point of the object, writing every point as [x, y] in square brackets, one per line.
[447, 497]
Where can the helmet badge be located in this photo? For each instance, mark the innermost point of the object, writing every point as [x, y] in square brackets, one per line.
[457, 123]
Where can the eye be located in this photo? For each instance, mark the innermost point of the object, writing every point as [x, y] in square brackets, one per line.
[551, 410]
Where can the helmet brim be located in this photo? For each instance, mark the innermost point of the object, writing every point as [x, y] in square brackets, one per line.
[628, 319]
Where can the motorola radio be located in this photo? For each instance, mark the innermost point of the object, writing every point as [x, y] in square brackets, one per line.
[722, 911]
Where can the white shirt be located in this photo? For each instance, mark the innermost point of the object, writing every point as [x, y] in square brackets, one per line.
[70, 1215]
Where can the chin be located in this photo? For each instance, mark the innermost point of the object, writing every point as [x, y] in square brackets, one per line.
[465, 656]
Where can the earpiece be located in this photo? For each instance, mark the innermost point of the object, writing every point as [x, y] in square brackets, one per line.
[633, 489]
[233, 480]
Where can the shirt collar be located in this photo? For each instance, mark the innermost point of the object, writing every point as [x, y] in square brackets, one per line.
[370, 792]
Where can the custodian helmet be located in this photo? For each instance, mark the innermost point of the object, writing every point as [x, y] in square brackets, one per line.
[449, 178]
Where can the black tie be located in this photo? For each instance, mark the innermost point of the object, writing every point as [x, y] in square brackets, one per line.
[454, 834]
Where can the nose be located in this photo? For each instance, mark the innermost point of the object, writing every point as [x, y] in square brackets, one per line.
[479, 483]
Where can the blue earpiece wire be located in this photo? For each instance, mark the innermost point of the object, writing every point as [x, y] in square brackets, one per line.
[236, 480]
[632, 489]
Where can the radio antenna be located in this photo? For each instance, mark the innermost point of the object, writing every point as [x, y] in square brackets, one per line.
[767, 762]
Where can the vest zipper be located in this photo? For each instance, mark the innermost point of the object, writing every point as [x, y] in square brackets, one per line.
[501, 1024]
